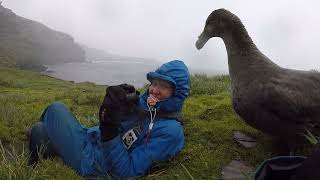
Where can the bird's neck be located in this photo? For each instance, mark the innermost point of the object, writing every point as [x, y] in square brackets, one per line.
[245, 61]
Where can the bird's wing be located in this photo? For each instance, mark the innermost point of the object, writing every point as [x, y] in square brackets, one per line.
[292, 97]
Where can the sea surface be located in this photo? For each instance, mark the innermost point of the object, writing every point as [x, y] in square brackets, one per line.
[104, 72]
[112, 72]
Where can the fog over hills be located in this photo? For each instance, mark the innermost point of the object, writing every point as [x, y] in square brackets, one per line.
[97, 55]
[28, 44]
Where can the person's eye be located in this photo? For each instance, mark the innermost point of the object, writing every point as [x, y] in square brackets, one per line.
[164, 84]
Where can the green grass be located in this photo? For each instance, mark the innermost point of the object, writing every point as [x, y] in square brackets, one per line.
[204, 85]
[209, 125]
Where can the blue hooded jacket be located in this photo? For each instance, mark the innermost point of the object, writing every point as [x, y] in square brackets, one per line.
[127, 155]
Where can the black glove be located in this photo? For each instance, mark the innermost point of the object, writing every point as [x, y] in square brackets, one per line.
[132, 97]
[115, 104]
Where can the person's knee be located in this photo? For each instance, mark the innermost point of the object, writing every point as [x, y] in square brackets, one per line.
[54, 114]
[56, 106]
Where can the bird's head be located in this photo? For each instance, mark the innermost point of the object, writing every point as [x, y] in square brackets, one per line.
[218, 23]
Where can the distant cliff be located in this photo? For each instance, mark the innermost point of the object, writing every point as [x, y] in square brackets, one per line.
[27, 44]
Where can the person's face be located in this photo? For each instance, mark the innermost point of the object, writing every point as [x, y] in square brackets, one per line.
[160, 89]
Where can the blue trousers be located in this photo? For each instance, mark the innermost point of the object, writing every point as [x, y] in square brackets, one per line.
[58, 133]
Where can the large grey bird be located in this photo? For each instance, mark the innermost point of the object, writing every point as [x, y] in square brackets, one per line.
[281, 102]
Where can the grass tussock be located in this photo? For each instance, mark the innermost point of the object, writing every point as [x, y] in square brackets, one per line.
[209, 125]
[205, 85]
[14, 159]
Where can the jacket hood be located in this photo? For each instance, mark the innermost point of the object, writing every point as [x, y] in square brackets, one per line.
[177, 73]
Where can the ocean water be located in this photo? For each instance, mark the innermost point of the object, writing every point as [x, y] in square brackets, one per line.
[104, 72]
[114, 72]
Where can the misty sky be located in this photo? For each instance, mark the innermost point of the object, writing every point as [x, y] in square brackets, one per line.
[286, 31]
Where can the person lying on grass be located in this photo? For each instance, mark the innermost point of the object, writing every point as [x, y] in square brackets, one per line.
[134, 131]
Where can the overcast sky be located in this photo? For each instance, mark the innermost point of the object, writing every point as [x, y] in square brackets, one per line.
[286, 31]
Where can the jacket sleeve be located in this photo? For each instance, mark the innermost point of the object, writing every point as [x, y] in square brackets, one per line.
[162, 143]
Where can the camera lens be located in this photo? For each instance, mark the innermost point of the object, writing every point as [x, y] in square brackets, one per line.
[132, 97]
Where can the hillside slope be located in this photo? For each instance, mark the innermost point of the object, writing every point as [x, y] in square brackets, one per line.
[28, 44]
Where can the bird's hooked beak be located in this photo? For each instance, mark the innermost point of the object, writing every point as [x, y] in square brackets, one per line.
[202, 40]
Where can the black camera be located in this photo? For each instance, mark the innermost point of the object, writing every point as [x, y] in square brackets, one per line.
[133, 97]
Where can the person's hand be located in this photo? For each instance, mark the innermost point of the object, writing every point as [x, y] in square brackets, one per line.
[114, 103]
[152, 101]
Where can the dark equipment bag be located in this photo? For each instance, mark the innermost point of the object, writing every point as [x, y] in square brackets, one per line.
[290, 167]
